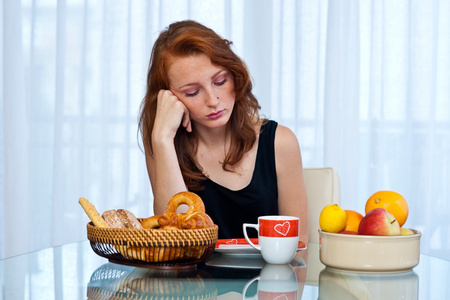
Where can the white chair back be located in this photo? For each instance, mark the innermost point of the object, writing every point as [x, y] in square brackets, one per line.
[322, 188]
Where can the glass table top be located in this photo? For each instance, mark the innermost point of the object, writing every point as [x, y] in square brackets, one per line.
[74, 271]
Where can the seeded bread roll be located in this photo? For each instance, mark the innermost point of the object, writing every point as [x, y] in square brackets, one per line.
[112, 218]
[121, 218]
[128, 219]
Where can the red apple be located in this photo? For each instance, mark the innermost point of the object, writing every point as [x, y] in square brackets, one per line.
[348, 232]
[379, 222]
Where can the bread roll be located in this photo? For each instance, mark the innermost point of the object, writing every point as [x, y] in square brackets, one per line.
[128, 219]
[121, 218]
[112, 218]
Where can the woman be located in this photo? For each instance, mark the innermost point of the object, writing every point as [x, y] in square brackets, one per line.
[202, 132]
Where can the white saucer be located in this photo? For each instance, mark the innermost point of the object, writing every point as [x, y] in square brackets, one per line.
[240, 247]
[246, 261]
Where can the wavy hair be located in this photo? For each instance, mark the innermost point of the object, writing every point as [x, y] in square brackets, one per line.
[183, 39]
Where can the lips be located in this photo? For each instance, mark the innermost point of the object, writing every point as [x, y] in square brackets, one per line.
[215, 115]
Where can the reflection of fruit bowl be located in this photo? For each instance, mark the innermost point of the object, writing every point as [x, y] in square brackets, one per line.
[112, 281]
[367, 253]
[334, 284]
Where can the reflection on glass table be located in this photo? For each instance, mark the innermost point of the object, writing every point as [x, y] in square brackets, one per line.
[74, 271]
[334, 284]
[113, 281]
[274, 282]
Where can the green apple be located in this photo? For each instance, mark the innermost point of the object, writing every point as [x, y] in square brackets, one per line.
[406, 231]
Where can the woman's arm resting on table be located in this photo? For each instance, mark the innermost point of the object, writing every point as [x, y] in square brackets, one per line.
[292, 198]
[165, 176]
[163, 167]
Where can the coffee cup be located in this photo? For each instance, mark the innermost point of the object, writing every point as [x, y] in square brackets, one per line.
[277, 238]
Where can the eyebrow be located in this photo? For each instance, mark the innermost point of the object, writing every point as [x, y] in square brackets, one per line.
[212, 77]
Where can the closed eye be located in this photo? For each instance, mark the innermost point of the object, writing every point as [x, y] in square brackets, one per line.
[221, 82]
[192, 94]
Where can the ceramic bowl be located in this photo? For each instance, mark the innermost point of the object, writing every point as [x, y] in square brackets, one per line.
[368, 253]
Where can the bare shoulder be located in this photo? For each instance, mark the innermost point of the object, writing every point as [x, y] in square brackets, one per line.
[292, 198]
[286, 141]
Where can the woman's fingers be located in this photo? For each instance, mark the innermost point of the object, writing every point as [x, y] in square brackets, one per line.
[172, 112]
[187, 120]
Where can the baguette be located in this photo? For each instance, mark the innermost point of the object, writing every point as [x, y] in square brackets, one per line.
[92, 213]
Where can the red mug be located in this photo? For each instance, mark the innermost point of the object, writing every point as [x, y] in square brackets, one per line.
[277, 238]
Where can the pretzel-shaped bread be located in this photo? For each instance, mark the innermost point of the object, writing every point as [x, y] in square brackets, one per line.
[194, 218]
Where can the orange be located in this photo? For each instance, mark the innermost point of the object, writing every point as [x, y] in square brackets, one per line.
[392, 201]
[353, 219]
[332, 218]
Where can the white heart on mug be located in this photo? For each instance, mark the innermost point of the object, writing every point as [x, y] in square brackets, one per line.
[283, 229]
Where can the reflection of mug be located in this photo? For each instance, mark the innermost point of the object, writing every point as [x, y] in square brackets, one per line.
[277, 238]
[334, 284]
[274, 282]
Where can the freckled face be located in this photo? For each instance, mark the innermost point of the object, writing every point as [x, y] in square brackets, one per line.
[205, 89]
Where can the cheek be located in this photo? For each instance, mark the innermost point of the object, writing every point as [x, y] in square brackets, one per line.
[233, 95]
[230, 91]
[193, 107]
[188, 104]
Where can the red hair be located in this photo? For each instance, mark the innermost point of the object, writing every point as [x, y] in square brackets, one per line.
[183, 39]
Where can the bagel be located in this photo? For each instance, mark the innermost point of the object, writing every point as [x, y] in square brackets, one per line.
[195, 217]
[192, 200]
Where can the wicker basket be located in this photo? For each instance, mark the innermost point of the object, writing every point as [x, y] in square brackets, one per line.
[153, 247]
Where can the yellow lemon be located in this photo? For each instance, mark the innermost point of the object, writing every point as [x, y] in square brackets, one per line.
[332, 218]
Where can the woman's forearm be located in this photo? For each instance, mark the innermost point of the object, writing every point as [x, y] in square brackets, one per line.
[165, 173]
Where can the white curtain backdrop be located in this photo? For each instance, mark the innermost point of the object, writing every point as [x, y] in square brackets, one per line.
[365, 85]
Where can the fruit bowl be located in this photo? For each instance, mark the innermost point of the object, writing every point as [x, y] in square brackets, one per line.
[368, 253]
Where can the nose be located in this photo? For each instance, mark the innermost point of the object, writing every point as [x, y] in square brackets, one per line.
[211, 99]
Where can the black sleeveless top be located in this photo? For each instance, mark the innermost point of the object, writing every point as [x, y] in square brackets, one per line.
[230, 209]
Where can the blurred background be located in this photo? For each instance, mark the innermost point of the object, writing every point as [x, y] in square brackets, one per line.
[363, 84]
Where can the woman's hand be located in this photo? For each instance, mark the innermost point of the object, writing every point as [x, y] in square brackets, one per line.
[170, 114]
